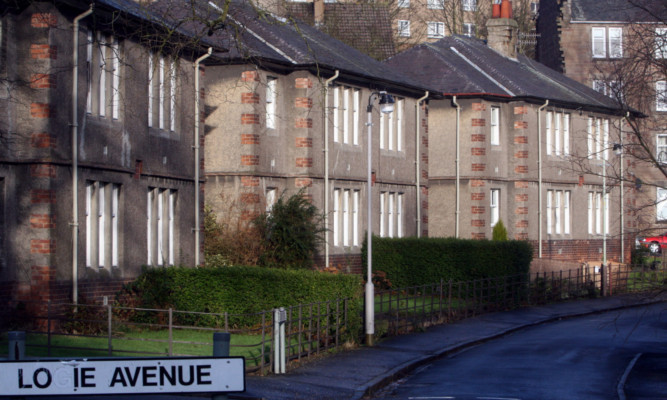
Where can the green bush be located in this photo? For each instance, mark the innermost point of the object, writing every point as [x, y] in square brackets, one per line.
[418, 261]
[234, 290]
[291, 233]
[499, 232]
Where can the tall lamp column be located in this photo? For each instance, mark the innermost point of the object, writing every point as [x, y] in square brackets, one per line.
[386, 106]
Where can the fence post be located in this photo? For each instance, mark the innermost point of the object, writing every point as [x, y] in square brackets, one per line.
[221, 344]
[279, 317]
[109, 329]
[16, 347]
[48, 328]
[171, 333]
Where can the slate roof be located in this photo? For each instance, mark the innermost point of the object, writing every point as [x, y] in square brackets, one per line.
[467, 67]
[255, 36]
[619, 10]
[128, 18]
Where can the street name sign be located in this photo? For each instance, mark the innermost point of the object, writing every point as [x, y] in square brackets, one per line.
[122, 376]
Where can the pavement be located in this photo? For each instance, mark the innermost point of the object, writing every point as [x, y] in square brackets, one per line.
[358, 373]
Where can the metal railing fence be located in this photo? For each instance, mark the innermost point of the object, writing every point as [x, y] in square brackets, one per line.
[85, 330]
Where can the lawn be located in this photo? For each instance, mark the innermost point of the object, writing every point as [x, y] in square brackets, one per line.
[139, 343]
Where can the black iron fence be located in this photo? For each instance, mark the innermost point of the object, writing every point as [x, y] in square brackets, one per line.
[291, 334]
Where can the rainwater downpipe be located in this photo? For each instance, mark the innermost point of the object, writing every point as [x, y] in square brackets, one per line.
[457, 167]
[196, 148]
[539, 179]
[75, 154]
[326, 164]
[627, 118]
[418, 163]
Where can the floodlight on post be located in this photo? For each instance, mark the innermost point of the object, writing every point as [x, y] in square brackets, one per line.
[386, 106]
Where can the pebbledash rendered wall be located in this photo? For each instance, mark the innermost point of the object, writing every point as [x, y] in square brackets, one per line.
[36, 161]
[512, 167]
[244, 159]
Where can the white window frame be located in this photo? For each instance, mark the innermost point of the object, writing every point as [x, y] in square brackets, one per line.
[495, 125]
[591, 219]
[172, 95]
[550, 196]
[435, 30]
[355, 218]
[102, 218]
[336, 217]
[102, 84]
[469, 29]
[403, 28]
[566, 212]
[89, 63]
[661, 96]
[469, 5]
[335, 113]
[566, 134]
[161, 93]
[383, 197]
[391, 209]
[660, 43]
[661, 204]
[151, 78]
[355, 117]
[346, 115]
[383, 140]
[494, 207]
[549, 131]
[399, 215]
[271, 101]
[270, 198]
[399, 123]
[346, 218]
[598, 138]
[557, 211]
[661, 148]
[435, 4]
[598, 213]
[599, 42]
[615, 42]
[160, 216]
[403, 3]
[115, 78]
[557, 133]
[590, 138]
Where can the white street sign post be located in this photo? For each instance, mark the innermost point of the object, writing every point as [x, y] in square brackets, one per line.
[123, 376]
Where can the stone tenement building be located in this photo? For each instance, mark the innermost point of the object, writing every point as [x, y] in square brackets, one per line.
[503, 143]
[97, 166]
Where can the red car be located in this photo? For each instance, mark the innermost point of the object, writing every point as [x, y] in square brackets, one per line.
[655, 244]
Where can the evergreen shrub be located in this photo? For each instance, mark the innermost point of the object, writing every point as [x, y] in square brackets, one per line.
[235, 290]
[419, 261]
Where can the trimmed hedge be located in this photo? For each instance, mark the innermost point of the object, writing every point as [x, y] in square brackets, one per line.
[235, 290]
[419, 261]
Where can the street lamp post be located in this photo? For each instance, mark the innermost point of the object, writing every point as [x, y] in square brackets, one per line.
[386, 107]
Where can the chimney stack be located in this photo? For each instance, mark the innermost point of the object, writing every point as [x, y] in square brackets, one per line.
[318, 11]
[502, 29]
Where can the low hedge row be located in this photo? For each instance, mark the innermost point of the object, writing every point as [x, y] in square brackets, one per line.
[234, 290]
[418, 261]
